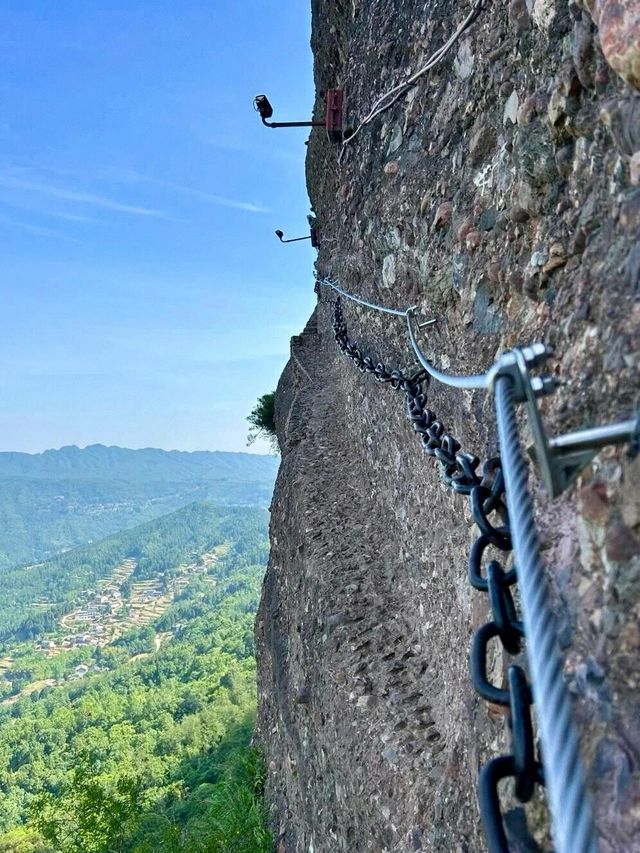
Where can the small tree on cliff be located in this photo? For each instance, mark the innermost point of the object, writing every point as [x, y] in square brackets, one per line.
[262, 421]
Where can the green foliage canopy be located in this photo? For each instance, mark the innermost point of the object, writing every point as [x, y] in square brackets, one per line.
[152, 753]
[262, 420]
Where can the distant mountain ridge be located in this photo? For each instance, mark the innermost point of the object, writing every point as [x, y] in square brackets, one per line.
[60, 499]
[71, 461]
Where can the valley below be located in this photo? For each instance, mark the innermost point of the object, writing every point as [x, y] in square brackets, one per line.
[127, 688]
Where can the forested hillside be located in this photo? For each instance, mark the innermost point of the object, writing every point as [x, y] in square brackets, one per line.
[33, 597]
[140, 744]
[53, 501]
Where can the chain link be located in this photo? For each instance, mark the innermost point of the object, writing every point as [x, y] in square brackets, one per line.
[486, 491]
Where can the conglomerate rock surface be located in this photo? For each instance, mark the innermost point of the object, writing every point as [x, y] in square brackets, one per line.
[502, 196]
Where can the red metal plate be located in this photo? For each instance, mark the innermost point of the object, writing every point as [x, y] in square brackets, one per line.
[333, 118]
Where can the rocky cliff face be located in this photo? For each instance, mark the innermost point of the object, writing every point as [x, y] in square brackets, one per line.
[502, 196]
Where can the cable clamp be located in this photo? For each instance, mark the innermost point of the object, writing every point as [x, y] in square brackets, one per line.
[559, 459]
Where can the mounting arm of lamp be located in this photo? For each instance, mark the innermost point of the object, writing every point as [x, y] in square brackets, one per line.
[265, 110]
[312, 236]
[332, 122]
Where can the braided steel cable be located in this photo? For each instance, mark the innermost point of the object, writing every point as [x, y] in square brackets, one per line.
[571, 818]
[572, 826]
[397, 312]
[388, 99]
[479, 380]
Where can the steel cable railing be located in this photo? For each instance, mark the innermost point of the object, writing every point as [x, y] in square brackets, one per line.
[572, 826]
[571, 818]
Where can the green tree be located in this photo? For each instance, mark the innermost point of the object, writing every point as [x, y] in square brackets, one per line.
[89, 816]
[24, 841]
[262, 420]
[235, 821]
[150, 754]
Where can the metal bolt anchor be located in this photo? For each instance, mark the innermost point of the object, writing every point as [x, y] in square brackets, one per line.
[560, 459]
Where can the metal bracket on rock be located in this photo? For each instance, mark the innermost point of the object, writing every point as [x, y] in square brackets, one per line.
[560, 459]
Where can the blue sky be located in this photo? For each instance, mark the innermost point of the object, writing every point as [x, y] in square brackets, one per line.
[145, 299]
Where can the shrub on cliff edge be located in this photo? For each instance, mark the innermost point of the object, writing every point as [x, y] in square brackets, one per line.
[262, 421]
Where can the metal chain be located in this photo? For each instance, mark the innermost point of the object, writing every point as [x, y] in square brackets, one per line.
[458, 470]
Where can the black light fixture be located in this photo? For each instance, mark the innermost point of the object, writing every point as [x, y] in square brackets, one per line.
[313, 236]
[332, 122]
[263, 106]
[265, 110]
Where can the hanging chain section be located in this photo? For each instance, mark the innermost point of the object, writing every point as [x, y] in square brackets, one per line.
[485, 490]
[502, 509]
[559, 459]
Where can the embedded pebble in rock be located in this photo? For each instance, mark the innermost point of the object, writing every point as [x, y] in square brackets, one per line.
[482, 141]
[472, 240]
[458, 267]
[389, 271]
[622, 545]
[506, 88]
[527, 110]
[486, 319]
[619, 27]
[630, 212]
[532, 282]
[518, 214]
[487, 219]
[519, 15]
[556, 259]
[510, 113]
[535, 155]
[525, 197]
[343, 192]
[463, 229]
[622, 116]
[504, 202]
[632, 268]
[564, 160]
[494, 271]
[463, 63]
[395, 141]
[543, 13]
[582, 52]
[443, 215]
[516, 279]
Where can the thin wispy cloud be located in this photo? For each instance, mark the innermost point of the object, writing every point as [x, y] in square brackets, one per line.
[11, 180]
[249, 206]
[75, 217]
[64, 194]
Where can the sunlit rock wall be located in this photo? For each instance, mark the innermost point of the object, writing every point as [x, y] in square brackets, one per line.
[501, 195]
